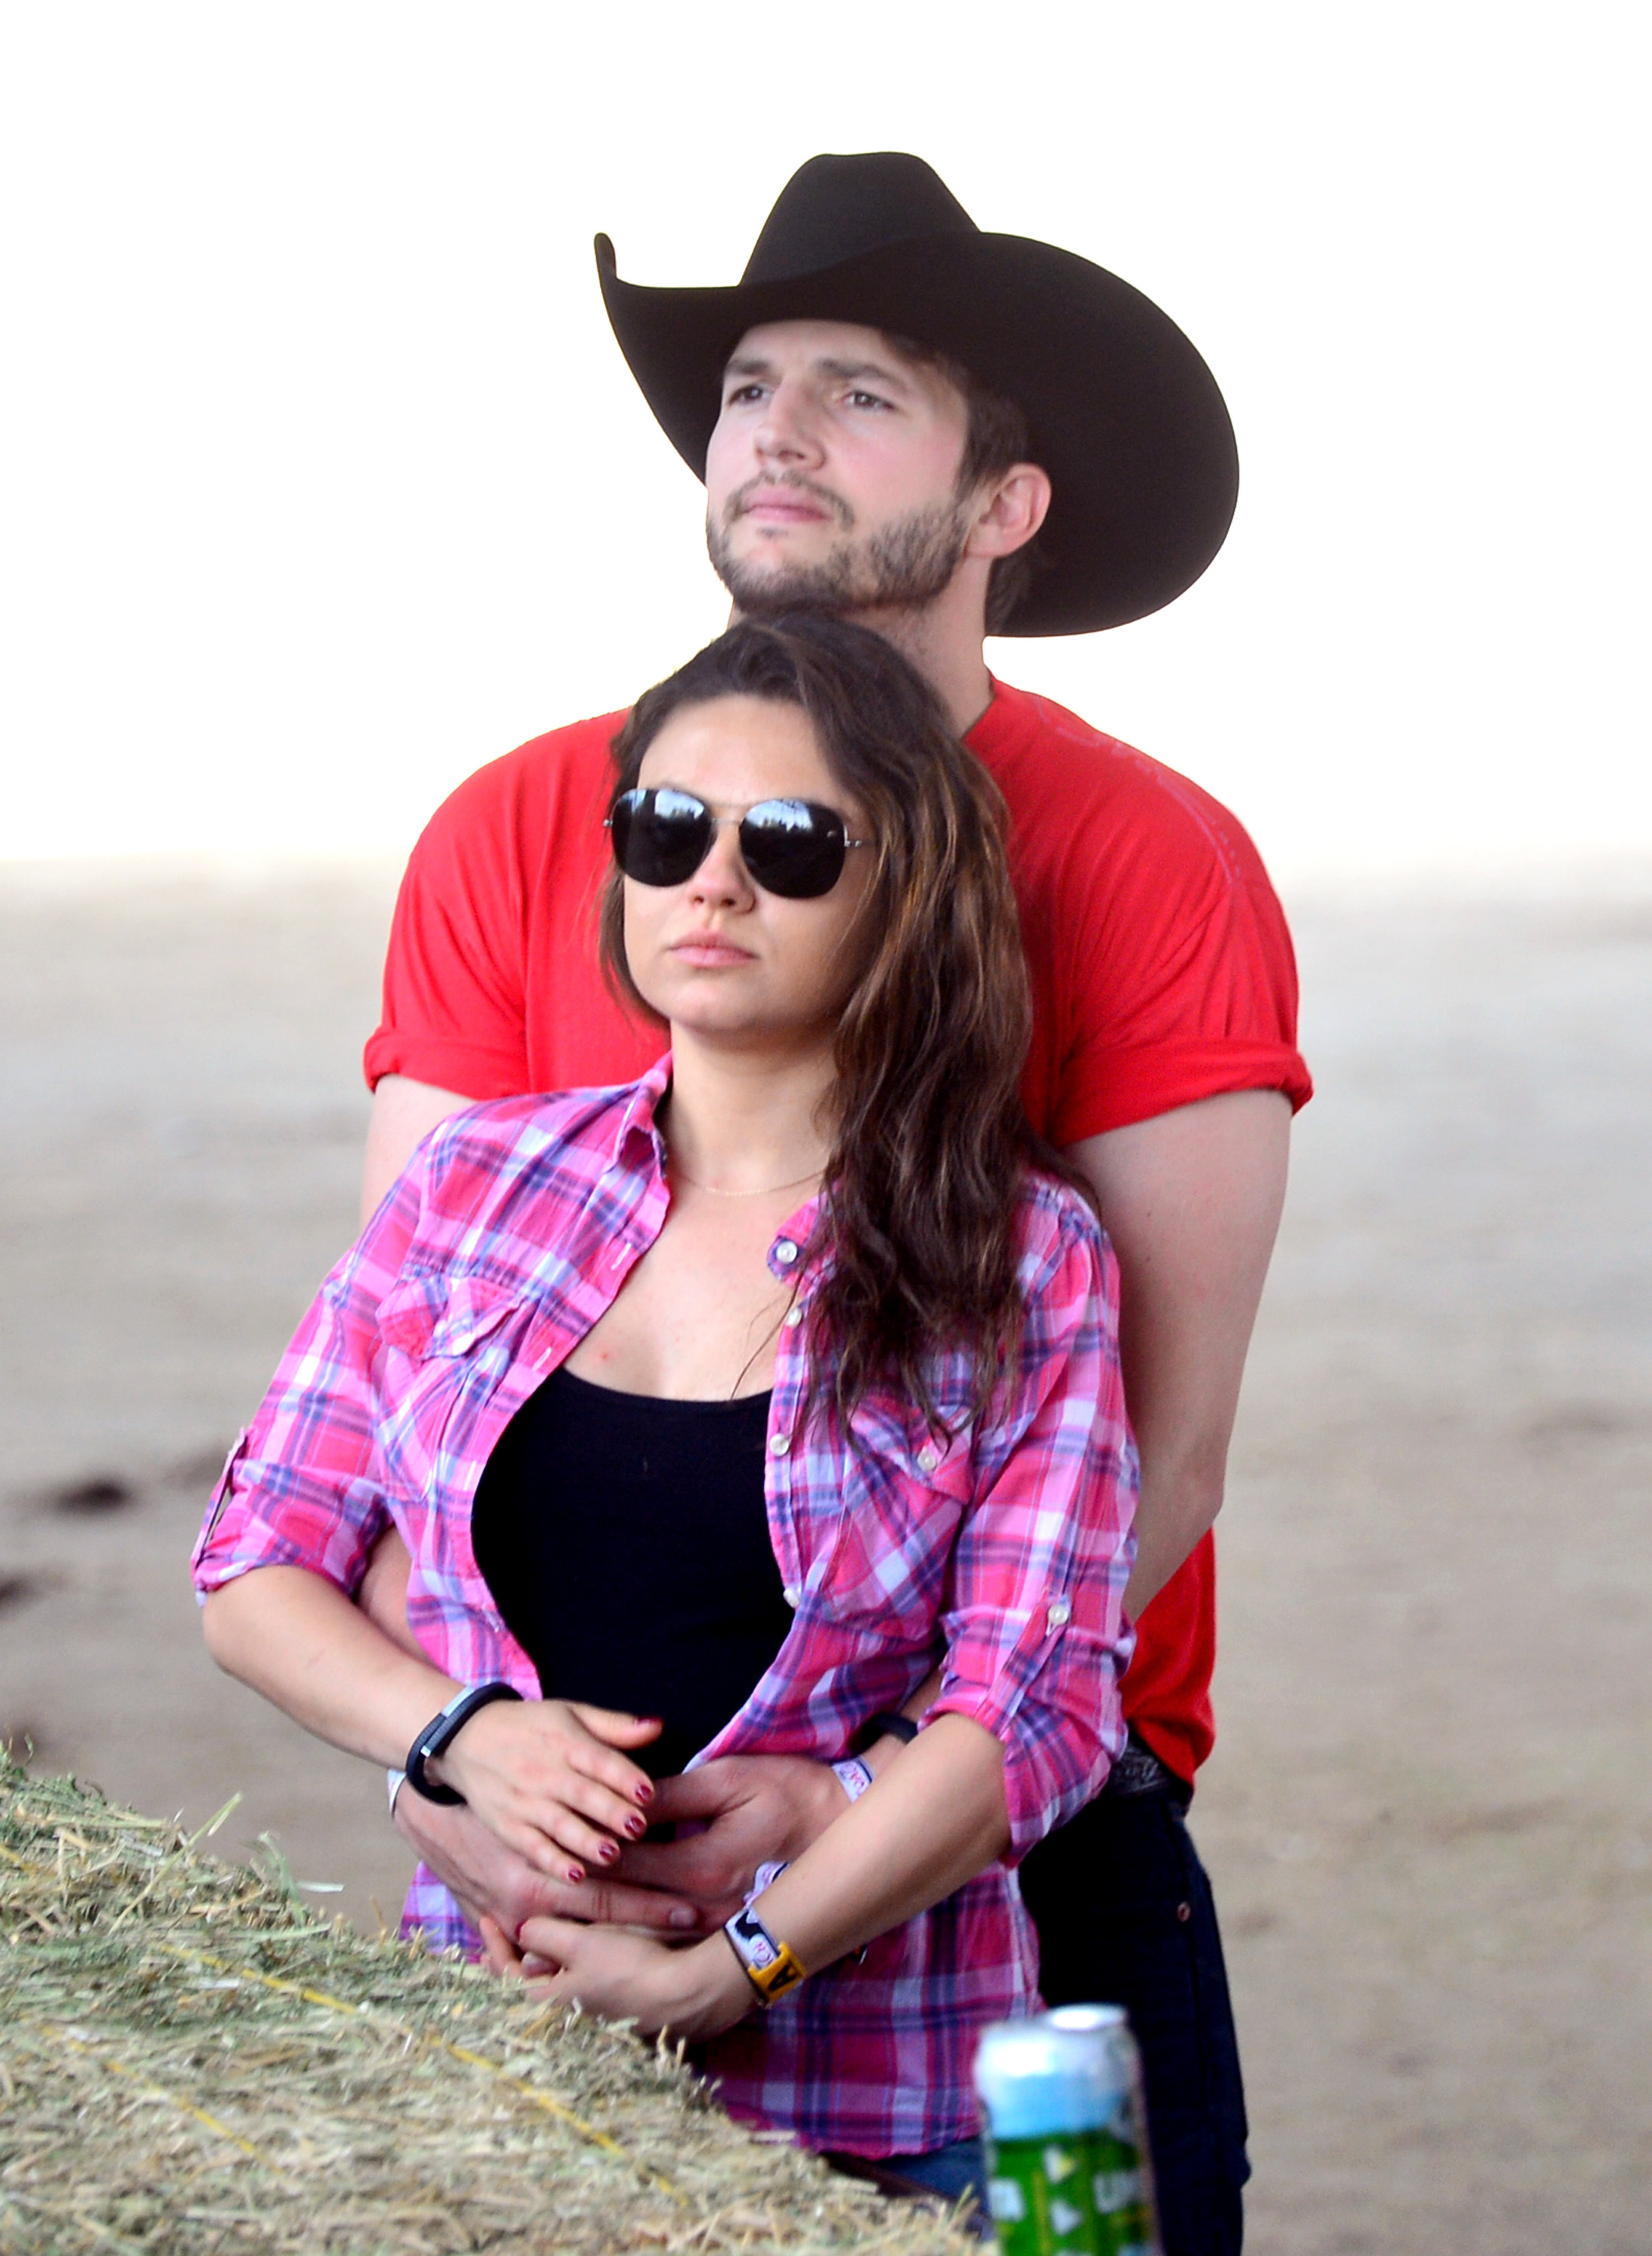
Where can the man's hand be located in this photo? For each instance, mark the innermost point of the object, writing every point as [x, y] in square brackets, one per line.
[757, 1809]
[496, 1887]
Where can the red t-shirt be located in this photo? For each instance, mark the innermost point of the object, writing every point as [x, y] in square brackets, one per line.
[1161, 964]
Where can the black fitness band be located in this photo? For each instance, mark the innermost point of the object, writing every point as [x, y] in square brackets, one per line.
[886, 1727]
[441, 1733]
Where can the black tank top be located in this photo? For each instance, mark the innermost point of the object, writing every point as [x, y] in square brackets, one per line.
[625, 1540]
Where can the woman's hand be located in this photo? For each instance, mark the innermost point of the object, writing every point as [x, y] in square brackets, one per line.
[545, 1776]
[693, 1993]
[491, 1881]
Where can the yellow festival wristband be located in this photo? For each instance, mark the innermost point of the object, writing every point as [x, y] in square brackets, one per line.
[771, 1968]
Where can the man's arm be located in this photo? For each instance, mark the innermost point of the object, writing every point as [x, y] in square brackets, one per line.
[404, 1114]
[1191, 1201]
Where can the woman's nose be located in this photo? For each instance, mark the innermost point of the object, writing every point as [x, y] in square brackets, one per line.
[722, 877]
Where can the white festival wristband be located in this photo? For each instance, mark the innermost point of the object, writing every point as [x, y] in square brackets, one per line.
[853, 1775]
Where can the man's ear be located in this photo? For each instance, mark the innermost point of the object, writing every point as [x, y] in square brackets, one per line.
[1010, 510]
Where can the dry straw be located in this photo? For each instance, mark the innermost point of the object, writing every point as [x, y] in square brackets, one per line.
[191, 2060]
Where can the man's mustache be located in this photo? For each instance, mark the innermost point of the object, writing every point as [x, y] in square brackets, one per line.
[739, 500]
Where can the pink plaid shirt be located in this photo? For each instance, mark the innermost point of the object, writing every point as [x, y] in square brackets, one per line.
[1004, 1553]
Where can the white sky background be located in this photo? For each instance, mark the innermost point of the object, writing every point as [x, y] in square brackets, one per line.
[323, 481]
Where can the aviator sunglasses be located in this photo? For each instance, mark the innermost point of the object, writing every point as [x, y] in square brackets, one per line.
[791, 847]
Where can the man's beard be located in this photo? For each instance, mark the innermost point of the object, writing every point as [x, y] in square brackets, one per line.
[901, 567]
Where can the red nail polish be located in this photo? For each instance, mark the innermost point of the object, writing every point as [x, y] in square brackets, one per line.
[576, 1874]
[636, 1827]
[608, 1851]
[644, 1794]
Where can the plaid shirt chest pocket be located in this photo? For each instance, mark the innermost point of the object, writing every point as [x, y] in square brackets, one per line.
[881, 1523]
[448, 1344]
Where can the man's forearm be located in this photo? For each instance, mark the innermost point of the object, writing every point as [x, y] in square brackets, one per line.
[1178, 1508]
[1191, 1201]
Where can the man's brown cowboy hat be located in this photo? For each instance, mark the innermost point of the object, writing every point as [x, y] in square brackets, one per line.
[1124, 415]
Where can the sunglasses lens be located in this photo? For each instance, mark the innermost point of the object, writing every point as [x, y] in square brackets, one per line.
[794, 848]
[660, 837]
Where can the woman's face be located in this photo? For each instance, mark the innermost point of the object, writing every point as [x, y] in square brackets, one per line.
[717, 955]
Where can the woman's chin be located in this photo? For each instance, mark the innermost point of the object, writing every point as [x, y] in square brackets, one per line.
[747, 1034]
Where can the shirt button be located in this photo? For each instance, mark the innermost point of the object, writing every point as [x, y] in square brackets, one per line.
[1059, 1615]
[928, 1457]
[793, 1317]
[791, 1594]
[785, 1251]
[779, 1444]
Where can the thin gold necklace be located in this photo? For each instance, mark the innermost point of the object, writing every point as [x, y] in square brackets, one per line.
[767, 1190]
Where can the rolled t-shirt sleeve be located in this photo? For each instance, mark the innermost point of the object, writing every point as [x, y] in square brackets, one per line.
[1182, 960]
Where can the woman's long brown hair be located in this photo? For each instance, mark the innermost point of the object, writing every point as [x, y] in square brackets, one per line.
[921, 1191]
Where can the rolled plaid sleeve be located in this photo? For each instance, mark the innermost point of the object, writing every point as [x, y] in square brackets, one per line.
[1036, 1640]
[299, 1488]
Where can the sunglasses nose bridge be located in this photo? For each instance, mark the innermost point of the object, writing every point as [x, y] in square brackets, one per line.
[722, 867]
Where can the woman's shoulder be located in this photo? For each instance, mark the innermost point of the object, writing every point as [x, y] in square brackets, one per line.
[570, 1135]
[1056, 1225]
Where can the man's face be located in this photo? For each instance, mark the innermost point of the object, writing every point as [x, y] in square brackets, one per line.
[831, 477]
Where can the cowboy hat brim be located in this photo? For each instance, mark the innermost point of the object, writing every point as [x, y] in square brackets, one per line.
[1123, 414]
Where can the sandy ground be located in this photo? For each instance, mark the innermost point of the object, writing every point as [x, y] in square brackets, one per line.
[1429, 1818]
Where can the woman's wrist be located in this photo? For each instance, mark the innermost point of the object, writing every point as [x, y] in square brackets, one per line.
[710, 1989]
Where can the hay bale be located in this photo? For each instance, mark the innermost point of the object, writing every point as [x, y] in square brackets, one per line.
[191, 2060]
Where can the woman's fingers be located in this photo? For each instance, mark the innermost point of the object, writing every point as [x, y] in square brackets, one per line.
[578, 1814]
[554, 1941]
[613, 1727]
[551, 1790]
[535, 1751]
[500, 1952]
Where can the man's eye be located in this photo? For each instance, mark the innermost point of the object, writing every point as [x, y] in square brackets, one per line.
[742, 394]
[859, 399]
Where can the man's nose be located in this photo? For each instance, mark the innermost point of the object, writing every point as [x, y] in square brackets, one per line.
[785, 431]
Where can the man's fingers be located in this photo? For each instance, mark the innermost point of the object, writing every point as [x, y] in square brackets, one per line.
[696, 1868]
[610, 1903]
[705, 1792]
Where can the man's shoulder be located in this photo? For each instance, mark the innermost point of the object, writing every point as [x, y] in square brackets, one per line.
[541, 769]
[1066, 780]
[509, 823]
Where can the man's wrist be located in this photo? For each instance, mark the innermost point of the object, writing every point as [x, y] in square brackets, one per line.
[830, 1800]
[878, 1753]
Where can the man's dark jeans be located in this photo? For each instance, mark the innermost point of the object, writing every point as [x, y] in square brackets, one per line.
[1124, 1917]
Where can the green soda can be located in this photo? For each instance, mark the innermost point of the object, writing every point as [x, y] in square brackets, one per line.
[1067, 2156]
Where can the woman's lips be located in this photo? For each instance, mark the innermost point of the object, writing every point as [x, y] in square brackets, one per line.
[709, 953]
